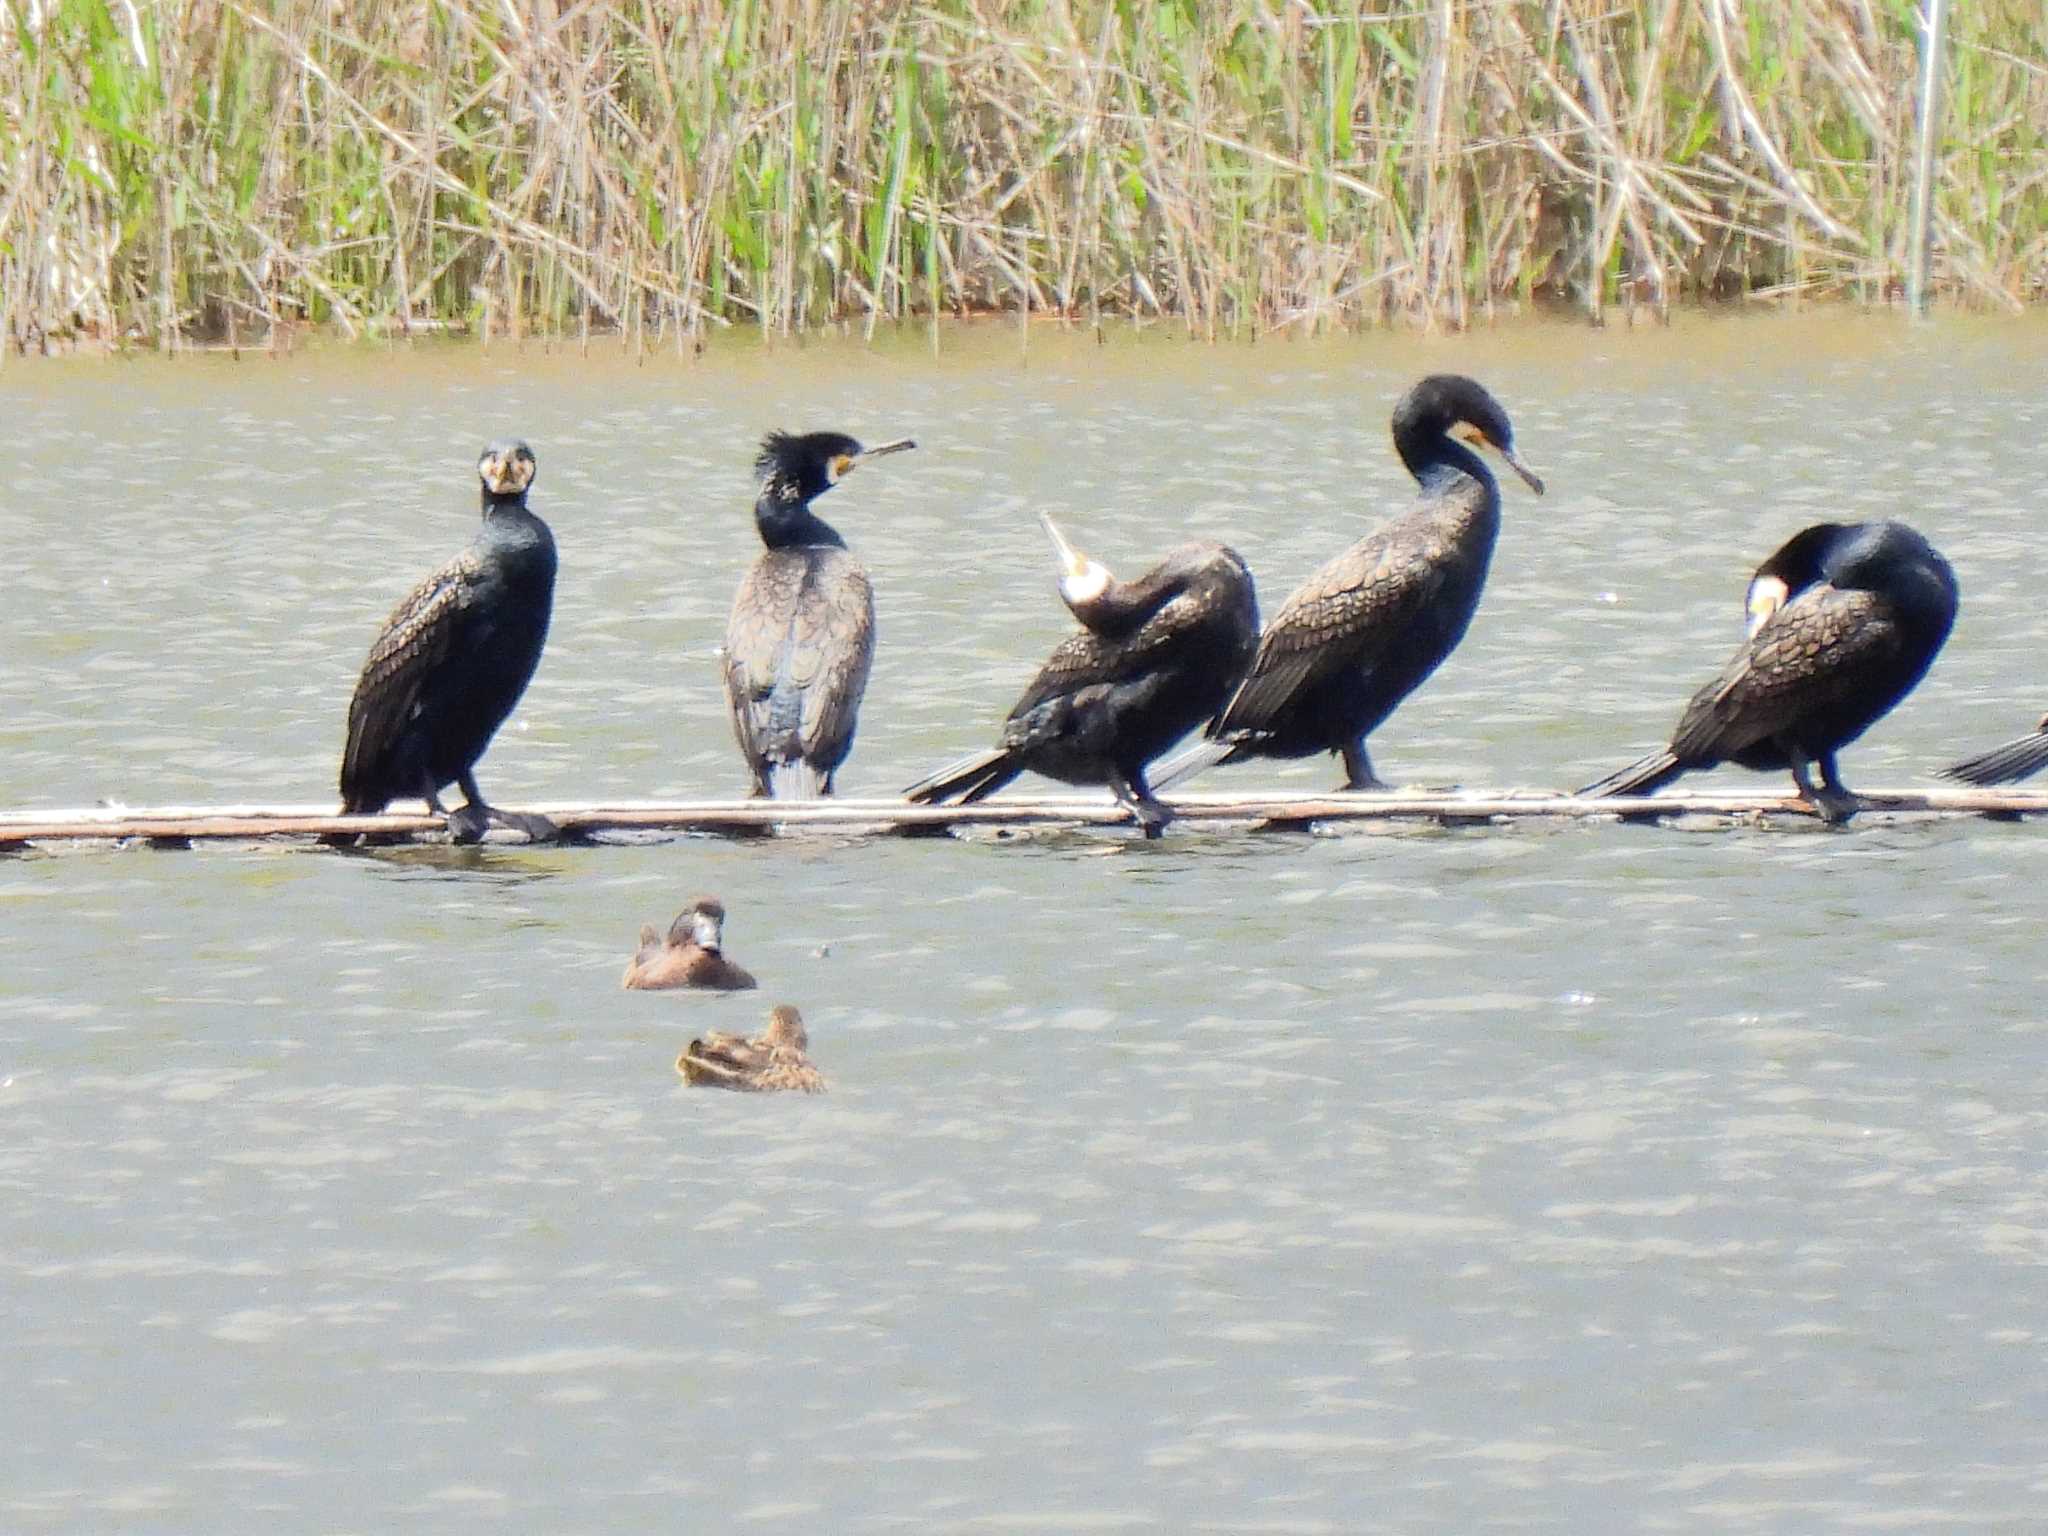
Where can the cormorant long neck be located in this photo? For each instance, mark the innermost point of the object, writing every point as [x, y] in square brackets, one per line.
[1121, 606]
[1433, 455]
[494, 501]
[787, 522]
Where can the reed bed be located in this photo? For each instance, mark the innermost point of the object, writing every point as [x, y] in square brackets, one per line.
[180, 170]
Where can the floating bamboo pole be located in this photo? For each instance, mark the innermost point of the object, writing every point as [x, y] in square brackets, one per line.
[181, 825]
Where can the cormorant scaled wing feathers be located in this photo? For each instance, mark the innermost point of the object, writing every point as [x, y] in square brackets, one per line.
[1336, 620]
[1086, 659]
[1772, 683]
[417, 638]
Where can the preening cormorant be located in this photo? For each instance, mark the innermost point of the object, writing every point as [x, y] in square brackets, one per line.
[2020, 758]
[1155, 658]
[453, 659]
[692, 954]
[774, 1061]
[1366, 629]
[1843, 621]
[802, 631]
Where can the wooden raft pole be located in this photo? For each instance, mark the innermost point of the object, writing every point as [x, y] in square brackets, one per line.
[188, 824]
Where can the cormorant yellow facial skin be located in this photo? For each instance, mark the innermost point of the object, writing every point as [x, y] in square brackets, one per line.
[506, 468]
[1767, 594]
[1478, 438]
[844, 464]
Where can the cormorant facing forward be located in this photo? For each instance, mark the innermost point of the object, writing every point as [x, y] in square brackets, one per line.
[453, 659]
[1155, 658]
[2017, 759]
[1843, 621]
[1366, 629]
[802, 631]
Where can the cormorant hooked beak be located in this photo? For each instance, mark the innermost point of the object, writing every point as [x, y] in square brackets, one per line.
[1082, 580]
[846, 463]
[1767, 594]
[506, 468]
[1477, 436]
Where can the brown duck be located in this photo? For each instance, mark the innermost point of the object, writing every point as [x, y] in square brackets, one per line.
[690, 955]
[773, 1061]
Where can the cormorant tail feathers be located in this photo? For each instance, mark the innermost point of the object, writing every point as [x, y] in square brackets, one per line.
[972, 778]
[2002, 765]
[1638, 778]
[797, 780]
[1185, 764]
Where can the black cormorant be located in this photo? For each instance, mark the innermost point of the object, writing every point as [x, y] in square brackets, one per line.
[453, 659]
[802, 631]
[2017, 759]
[1843, 621]
[1155, 658]
[1366, 629]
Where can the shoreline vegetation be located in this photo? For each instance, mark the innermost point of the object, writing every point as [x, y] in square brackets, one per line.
[231, 171]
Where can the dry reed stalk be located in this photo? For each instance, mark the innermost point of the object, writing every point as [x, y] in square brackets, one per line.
[197, 167]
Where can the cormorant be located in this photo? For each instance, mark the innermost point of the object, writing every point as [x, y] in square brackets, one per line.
[802, 631]
[1843, 621]
[1367, 628]
[452, 661]
[692, 954]
[773, 1061]
[1155, 658]
[2017, 759]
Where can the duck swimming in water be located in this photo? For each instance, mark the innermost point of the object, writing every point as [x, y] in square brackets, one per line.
[1369, 627]
[1843, 621]
[691, 955]
[1155, 658]
[802, 632]
[452, 661]
[774, 1061]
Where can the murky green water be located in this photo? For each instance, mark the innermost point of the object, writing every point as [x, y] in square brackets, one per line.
[1582, 1178]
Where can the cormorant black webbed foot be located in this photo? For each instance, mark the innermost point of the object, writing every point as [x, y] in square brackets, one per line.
[1135, 796]
[1358, 772]
[1833, 802]
[468, 823]
[537, 829]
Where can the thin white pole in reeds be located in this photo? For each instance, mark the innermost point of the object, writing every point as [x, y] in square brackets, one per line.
[1929, 118]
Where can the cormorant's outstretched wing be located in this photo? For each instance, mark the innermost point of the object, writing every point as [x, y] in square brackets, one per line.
[1826, 645]
[797, 652]
[418, 637]
[1344, 615]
